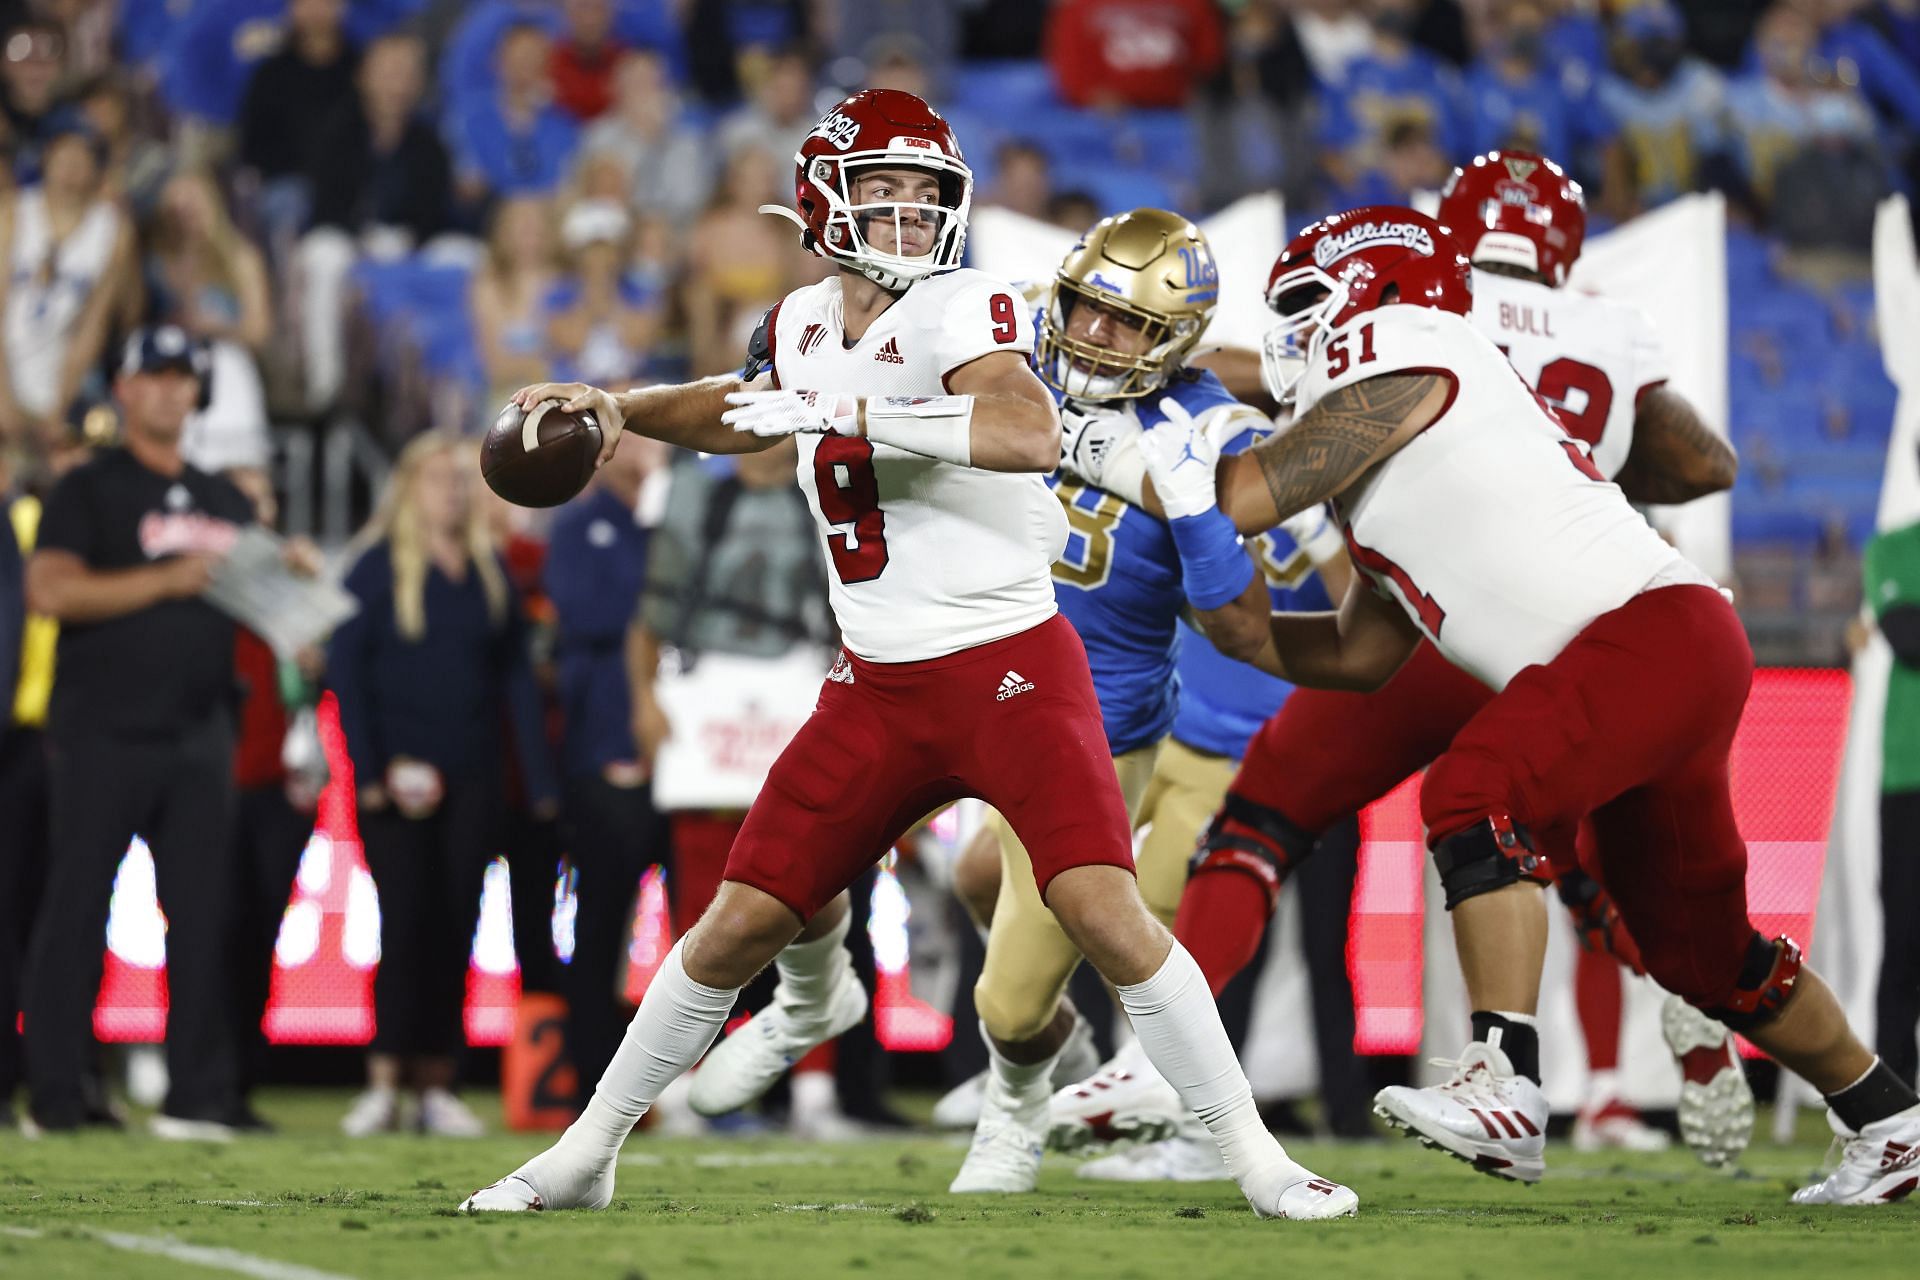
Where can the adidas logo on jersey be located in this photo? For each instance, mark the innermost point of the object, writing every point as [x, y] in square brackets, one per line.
[890, 353]
[1010, 684]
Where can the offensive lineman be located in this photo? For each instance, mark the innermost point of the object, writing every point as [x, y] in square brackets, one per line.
[957, 678]
[1522, 221]
[1619, 671]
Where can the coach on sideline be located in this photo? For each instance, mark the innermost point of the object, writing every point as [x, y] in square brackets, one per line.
[140, 732]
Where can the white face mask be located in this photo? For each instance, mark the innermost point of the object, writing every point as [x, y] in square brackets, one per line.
[1288, 345]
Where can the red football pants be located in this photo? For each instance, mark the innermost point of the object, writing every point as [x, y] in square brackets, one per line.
[1632, 723]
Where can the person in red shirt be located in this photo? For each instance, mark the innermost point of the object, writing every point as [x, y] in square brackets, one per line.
[583, 58]
[1132, 53]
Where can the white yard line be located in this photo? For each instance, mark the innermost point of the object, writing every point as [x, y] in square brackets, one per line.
[211, 1257]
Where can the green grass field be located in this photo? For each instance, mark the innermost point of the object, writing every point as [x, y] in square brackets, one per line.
[308, 1204]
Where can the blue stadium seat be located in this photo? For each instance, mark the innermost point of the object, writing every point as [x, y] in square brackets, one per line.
[1006, 91]
[1115, 189]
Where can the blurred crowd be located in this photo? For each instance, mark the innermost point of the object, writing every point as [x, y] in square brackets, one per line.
[396, 211]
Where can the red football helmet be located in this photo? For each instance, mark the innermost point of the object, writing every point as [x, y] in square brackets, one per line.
[880, 128]
[1344, 265]
[1517, 208]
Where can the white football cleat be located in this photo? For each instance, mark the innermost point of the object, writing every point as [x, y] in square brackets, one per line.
[1007, 1143]
[1878, 1165]
[1186, 1157]
[1287, 1190]
[551, 1180]
[1483, 1113]
[1612, 1125]
[1125, 1101]
[1716, 1102]
[745, 1064]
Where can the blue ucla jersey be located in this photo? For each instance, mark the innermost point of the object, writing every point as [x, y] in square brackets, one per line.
[1118, 583]
[1222, 702]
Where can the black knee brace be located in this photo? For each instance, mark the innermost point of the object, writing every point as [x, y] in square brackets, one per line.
[1251, 838]
[1487, 856]
[1766, 980]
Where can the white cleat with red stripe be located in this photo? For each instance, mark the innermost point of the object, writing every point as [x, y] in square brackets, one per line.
[1483, 1113]
[1878, 1165]
[1124, 1102]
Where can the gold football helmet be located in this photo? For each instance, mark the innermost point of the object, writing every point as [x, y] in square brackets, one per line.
[1127, 306]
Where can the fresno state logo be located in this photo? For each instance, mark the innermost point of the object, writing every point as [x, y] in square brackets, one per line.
[838, 129]
[1370, 235]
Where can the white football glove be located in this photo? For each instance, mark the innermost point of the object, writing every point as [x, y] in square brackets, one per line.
[786, 413]
[1091, 436]
[1314, 532]
[1181, 458]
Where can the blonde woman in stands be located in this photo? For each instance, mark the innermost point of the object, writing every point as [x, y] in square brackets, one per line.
[509, 294]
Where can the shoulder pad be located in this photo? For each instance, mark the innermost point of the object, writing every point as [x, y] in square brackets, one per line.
[760, 347]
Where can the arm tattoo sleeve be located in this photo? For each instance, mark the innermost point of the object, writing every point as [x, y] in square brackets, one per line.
[1676, 456]
[1338, 438]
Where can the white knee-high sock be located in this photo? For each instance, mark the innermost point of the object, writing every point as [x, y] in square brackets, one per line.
[677, 1022]
[1178, 1024]
[809, 972]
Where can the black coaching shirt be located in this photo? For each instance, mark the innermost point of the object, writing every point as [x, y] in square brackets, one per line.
[158, 671]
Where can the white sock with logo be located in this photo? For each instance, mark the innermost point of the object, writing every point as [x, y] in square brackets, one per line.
[677, 1022]
[1178, 1024]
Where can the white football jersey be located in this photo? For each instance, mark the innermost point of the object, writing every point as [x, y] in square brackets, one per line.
[1492, 528]
[926, 558]
[1588, 356]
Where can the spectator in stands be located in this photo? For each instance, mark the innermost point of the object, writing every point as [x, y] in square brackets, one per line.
[1803, 142]
[69, 254]
[202, 274]
[1073, 211]
[289, 99]
[739, 261]
[600, 318]
[665, 162]
[1410, 161]
[382, 186]
[584, 58]
[35, 60]
[509, 294]
[23, 782]
[1892, 569]
[1668, 104]
[1440, 27]
[136, 165]
[1253, 131]
[596, 565]
[1132, 53]
[426, 674]
[514, 140]
[782, 112]
[1394, 82]
[145, 667]
[1518, 96]
[875, 31]
[728, 41]
[1022, 179]
[273, 814]
[1332, 33]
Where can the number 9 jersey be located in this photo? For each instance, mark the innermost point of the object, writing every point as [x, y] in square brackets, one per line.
[1492, 527]
[927, 557]
[1590, 357]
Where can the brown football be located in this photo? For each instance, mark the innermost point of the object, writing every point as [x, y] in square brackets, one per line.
[540, 457]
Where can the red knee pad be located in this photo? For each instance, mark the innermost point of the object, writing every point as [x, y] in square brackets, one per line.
[1252, 839]
[1764, 986]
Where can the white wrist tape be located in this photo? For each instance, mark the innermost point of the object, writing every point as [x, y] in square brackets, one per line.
[933, 426]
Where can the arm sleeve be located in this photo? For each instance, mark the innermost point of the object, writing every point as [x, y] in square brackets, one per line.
[350, 657]
[67, 522]
[980, 317]
[524, 707]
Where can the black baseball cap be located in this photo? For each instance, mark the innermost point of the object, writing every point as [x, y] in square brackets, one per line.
[165, 346]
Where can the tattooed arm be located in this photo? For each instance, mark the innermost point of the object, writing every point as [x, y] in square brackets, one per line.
[1323, 452]
[1676, 456]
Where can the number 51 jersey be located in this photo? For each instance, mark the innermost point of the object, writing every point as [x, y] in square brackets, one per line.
[928, 558]
[1492, 528]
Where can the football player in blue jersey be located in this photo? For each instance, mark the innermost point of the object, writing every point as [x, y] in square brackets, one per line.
[1123, 315]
